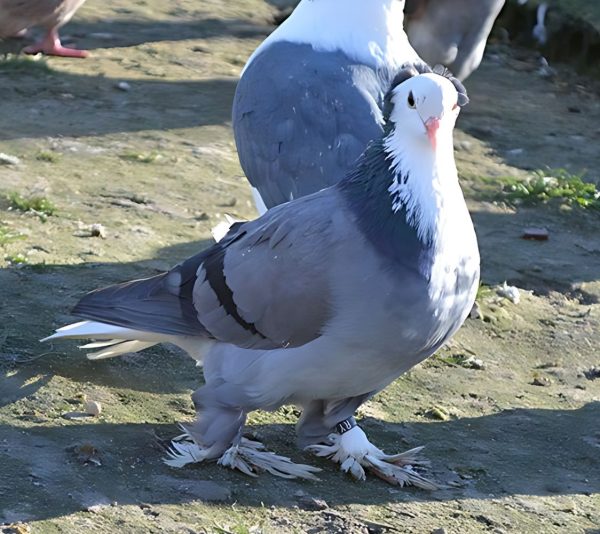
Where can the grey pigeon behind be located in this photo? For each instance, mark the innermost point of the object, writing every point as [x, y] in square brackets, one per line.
[308, 101]
[451, 32]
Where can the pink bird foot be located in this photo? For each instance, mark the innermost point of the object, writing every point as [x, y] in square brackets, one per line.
[52, 46]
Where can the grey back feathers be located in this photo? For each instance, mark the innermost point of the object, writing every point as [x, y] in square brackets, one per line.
[322, 111]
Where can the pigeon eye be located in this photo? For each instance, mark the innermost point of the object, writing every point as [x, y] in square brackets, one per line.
[411, 100]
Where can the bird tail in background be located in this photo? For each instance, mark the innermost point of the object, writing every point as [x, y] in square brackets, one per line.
[111, 340]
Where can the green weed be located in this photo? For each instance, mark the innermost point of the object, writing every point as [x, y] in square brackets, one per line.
[47, 155]
[552, 185]
[35, 204]
[16, 259]
[7, 236]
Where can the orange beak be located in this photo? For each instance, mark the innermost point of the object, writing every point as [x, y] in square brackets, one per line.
[432, 125]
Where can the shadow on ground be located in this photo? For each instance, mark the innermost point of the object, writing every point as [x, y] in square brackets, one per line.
[152, 104]
[134, 32]
[514, 452]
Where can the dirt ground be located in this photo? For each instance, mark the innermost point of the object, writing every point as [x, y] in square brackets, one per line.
[516, 440]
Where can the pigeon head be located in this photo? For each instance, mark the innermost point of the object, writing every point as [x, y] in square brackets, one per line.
[421, 109]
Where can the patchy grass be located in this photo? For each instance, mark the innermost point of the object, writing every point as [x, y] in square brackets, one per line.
[484, 291]
[7, 236]
[19, 63]
[48, 155]
[558, 184]
[16, 259]
[35, 204]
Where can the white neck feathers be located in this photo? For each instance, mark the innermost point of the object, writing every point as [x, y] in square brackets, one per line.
[368, 31]
[425, 184]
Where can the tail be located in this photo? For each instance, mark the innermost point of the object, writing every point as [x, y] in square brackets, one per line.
[111, 340]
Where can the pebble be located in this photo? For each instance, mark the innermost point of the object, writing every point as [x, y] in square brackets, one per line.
[541, 381]
[312, 504]
[592, 373]
[439, 531]
[93, 408]
[438, 412]
[474, 363]
[123, 86]
[98, 230]
[7, 159]
[537, 234]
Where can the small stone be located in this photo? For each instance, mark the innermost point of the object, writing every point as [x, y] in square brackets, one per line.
[93, 408]
[592, 373]
[473, 363]
[230, 203]
[306, 502]
[464, 145]
[7, 159]
[439, 531]
[202, 216]
[123, 86]
[537, 234]
[541, 381]
[15, 528]
[95, 508]
[438, 412]
[98, 230]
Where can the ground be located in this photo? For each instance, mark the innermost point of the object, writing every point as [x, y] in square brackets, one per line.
[137, 138]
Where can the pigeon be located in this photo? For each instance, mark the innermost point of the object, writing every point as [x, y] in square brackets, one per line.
[16, 16]
[308, 100]
[321, 302]
[451, 32]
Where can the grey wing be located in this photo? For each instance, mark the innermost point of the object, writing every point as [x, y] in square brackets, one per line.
[265, 285]
[301, 118]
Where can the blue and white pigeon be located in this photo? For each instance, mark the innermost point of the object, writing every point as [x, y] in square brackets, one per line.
[309, 98]
[321, 302]
[451, 32]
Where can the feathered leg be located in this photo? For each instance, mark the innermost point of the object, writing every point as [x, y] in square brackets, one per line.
[323, 431]
[217, 433]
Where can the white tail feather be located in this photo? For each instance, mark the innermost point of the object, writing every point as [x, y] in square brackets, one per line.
[114, 340]
[118, 348]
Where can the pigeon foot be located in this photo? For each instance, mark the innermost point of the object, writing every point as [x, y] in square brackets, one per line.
[248, 456]
[52, 46]
[355, 452]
